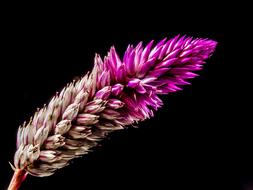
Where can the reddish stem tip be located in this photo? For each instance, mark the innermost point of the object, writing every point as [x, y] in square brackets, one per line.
[18, 177]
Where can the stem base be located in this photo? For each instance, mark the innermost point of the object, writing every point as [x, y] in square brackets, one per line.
[18, 177]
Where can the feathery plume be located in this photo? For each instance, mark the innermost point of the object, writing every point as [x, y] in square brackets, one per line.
[117, 93]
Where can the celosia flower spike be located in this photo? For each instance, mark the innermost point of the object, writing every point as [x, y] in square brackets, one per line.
[116, 94]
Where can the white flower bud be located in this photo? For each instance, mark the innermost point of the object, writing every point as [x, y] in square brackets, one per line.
[41, 135]
[33, 153]
[62, 127]
[79, 135]
[71, 112]
[110, 114]
[94, 106]
[87, 119]
[49, 156]
[54, 142]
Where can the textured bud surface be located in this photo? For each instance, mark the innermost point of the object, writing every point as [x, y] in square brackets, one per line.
[115, 94]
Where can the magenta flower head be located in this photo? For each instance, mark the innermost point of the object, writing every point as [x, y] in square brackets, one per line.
[116, 94]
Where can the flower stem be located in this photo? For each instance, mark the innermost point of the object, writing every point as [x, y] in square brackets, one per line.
[18, 177]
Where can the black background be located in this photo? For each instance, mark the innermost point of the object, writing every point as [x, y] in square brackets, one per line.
[198, 140]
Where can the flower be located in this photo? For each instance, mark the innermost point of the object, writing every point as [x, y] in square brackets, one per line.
[117, 93]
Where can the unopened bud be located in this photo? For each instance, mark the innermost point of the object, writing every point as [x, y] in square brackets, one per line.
[62, 127]
[94, 106]
[71, 112]
[87, 119]
[115, 103]
[49, 156]
[104, 93]
[110, 114]
[117, 89]
[54, 142]
[33, 153]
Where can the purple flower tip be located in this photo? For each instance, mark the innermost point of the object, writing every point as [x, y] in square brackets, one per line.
[146, 72]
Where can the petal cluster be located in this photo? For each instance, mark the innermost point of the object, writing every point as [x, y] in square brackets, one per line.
[115, 94]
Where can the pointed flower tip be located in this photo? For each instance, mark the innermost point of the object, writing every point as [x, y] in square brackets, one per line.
[211, 41]
[97, 56]
[112, 48]
[212, 44]
[177, 36]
